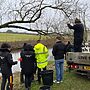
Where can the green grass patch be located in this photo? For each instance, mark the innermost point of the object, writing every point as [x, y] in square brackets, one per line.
[11, 37]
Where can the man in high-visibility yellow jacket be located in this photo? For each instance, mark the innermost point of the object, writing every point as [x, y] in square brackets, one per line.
[41, 53]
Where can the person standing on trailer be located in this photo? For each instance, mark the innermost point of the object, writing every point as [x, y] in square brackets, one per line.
[78, 34]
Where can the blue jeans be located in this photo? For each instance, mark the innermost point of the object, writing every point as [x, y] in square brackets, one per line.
[59, 65]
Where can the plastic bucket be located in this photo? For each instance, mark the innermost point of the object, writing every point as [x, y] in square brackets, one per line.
[45, 87]
[47, 77]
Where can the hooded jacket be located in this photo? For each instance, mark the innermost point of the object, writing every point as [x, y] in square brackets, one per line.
[28, 59]
[6, 62]
[41, 53]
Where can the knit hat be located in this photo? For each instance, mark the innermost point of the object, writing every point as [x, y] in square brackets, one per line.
[77, 20]
[5, 45]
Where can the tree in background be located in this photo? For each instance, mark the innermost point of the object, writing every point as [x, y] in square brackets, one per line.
[30, 15]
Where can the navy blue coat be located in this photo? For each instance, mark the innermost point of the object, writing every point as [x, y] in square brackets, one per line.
[6, 62]
[28, 59]
[78, 32]
[78, 36]
[59, 49]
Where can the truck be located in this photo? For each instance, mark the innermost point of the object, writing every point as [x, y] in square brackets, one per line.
[79, 61]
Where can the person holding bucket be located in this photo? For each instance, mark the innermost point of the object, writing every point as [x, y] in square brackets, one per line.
[41, 54]
[58, 53]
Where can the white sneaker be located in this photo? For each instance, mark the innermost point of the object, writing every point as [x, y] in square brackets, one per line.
[61, 81]
[58, 82]
[55, 81]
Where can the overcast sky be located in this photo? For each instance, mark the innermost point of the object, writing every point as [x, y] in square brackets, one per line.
[49, 1]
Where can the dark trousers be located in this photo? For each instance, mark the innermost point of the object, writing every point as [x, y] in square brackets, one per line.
[78, 46]
[28, 80]
[39, 75]
[35, 69]
[21, 77]
[4, 80]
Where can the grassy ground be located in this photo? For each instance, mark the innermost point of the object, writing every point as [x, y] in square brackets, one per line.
[16, 40]
[71, 81]
[10, 37]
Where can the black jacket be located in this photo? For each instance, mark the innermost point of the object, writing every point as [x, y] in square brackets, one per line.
[21, 64]
[78, 31]
[6, 62]
[28, 60]
[59, 50]
[69, 48]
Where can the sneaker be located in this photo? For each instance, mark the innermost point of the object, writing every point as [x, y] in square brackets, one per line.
[61, 81]
[55, 81]
[58, 82]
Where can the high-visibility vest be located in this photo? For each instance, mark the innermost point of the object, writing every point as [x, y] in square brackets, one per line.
[41, 54]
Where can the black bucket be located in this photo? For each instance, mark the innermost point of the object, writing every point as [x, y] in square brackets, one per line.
[45, 87]
[47, 77]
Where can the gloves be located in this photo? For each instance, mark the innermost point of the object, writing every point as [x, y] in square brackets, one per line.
[68, 24]
[15, 62]
[20, 59]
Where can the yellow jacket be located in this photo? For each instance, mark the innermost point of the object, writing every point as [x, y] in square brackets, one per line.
[41, 53]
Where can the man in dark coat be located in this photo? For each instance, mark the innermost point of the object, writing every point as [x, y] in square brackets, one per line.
[28, 60]
[58, 53]
[21, 74]
[78, 34]
[6, 63]
[69, 47]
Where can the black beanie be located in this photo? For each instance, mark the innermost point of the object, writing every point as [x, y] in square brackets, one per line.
[5, 45]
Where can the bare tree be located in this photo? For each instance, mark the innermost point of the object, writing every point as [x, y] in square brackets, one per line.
[29, 12]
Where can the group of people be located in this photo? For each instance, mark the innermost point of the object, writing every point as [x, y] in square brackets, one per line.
[31, 58]
[35, 57]
[60, 49]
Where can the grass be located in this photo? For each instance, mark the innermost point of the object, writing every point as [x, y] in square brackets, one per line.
[10, 37]
[71, 81]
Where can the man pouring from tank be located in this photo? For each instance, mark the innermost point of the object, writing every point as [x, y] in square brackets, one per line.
[78, 34]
